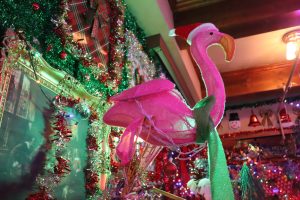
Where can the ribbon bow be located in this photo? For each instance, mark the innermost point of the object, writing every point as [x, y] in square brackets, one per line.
[100, 16]
[266, 115]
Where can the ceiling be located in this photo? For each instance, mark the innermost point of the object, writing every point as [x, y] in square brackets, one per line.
[257, 26]
[253, 51]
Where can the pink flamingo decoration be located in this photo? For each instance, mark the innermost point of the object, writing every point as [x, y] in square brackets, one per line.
[155, 111]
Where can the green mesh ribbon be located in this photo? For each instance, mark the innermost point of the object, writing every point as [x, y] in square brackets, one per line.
[221, 188]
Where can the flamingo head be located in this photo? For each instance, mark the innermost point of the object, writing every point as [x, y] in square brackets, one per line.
[206, 35]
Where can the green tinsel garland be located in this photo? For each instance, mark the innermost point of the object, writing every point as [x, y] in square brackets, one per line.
[20, 14]
[39, 31]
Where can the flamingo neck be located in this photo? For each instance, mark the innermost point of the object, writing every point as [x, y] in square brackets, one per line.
[212, 80]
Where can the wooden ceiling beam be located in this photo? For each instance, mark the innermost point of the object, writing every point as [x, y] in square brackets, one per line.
[259, 79]
[244, 19]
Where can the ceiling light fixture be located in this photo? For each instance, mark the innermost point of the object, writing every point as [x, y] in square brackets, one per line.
[292, 40]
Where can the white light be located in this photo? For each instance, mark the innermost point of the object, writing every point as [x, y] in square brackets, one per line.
[291, 49]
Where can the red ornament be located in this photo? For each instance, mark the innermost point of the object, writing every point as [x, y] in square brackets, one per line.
[254, 120]
[49, 47]
[284, 117]
[170, 169]
[35, 6]
[63, 55]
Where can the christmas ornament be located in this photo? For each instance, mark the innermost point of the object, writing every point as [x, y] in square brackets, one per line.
[253, 120]
[296, 111]
[170, 168]
[234, 121]
[35, 6]
[285, 118]
[63, 55]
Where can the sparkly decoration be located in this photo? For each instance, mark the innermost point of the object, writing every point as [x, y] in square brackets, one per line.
[52, 38]
[252, 133]
[263, 178]
[83, 109]
[138, 60]
[62, 167]
[41, 195]
[35, 6]
[289, 100]
[57, 166]
[117, 38]
[55, 42]
[98, 162]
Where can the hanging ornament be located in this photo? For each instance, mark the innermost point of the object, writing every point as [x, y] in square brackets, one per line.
[285, 118]
[296, 111]
[234, 121]
[253, 120]
[35, 6]
[63, 55]
[170, 167]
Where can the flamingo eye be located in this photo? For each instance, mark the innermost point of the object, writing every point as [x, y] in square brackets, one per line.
[211, 33]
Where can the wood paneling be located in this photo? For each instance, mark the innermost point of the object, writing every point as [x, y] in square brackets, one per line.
[243, 18]
[259, 79]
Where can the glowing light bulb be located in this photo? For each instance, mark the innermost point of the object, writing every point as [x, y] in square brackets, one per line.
[291, 49]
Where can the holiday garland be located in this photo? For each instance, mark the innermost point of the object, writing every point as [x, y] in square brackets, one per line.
[262, 103]
[57, 166]
[52, 38]
[98, 164]
[259, 177]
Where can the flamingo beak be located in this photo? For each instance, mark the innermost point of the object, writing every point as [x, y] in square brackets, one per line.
[227, 42]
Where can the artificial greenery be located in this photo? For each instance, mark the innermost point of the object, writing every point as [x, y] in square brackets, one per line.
[40, 31]
[251, 189]
[20, 14]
